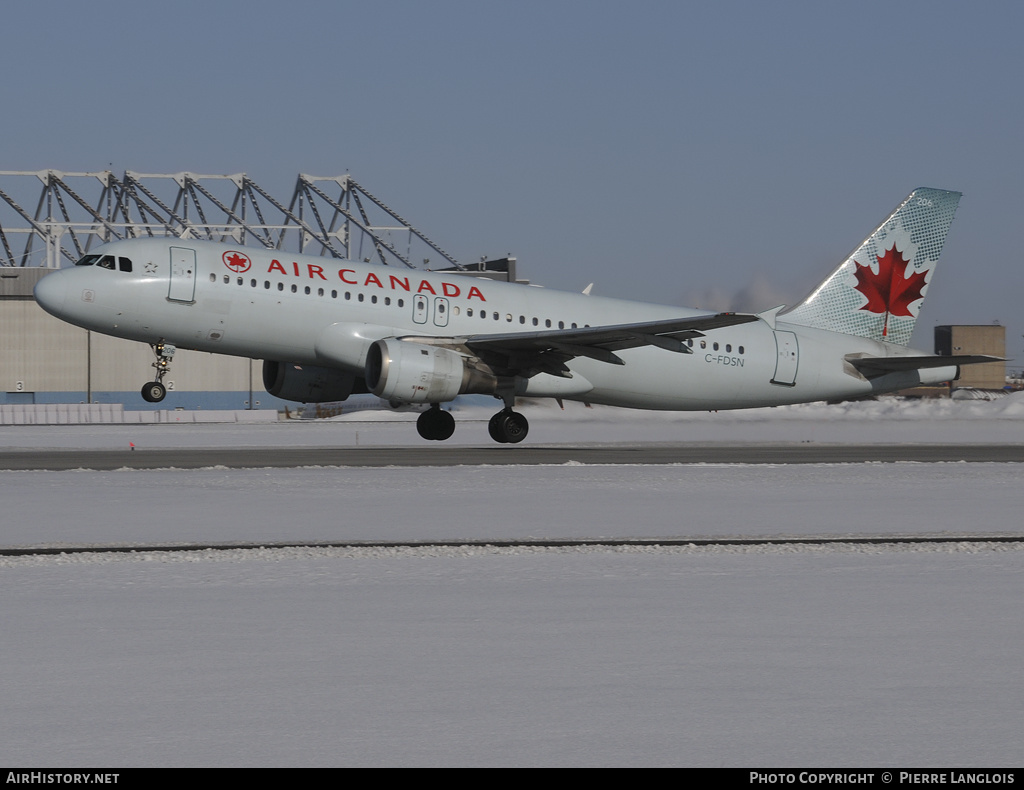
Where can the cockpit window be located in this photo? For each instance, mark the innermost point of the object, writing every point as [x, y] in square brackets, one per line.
[106, 262]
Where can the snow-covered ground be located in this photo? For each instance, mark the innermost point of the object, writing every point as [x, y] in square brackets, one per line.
[839, 656]
[496, 502]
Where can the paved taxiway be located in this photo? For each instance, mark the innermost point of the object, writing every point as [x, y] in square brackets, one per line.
[520, 455]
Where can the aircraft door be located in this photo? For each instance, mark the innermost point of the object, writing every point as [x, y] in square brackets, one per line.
[420, 307]
[183, 275]
[440, 311]
[788, 359]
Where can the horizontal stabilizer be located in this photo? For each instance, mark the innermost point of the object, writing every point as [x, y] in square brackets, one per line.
[876, 366]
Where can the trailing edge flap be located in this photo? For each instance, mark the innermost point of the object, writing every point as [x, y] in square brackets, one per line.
[877, 366]
[598, 342]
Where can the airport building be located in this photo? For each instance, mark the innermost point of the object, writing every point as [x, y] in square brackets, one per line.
[989, 339]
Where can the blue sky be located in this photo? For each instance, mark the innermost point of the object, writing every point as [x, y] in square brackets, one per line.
[713, 154]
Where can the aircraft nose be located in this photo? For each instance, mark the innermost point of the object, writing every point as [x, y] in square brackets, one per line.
[50, 293]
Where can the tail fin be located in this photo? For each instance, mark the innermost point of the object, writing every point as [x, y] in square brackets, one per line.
[877, 292]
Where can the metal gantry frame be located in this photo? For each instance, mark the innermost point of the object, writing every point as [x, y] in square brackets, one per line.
[327, 215]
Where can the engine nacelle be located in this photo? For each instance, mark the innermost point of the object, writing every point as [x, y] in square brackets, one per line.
[400, 370]
[309, 383]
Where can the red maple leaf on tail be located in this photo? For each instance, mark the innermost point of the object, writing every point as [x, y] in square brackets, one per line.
[889, 291]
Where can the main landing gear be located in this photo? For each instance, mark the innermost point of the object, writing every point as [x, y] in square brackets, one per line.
[155, 391]
[435, 424]
[505, 427]
[508, 427]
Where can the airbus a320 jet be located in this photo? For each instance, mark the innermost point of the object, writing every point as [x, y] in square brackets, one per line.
[328, 328]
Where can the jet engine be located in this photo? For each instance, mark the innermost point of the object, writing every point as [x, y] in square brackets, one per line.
[409, 372]
[309, 383]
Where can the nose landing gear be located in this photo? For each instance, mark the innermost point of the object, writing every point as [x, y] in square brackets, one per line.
[155, 391]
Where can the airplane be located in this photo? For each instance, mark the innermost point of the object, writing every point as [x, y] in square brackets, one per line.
[329, 328]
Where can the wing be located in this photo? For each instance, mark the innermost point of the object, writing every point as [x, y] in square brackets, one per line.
[528, 353]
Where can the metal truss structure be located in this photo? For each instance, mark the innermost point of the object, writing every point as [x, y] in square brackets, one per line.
[331, 216]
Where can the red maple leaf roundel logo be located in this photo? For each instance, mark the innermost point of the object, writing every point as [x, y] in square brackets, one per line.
[236, 261]
[890, 291]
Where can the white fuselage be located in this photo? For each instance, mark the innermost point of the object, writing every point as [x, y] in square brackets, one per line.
[272, 305]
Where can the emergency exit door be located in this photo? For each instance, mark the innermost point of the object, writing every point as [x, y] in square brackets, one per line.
[183, 275]
[788, 359]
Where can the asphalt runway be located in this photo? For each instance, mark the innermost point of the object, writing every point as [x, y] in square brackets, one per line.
[522, 455]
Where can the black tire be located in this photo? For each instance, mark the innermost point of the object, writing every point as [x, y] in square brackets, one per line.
[435, 425]
[153, 392]
[426, 425]
[514, 426]
[445, 426]
[494, 428]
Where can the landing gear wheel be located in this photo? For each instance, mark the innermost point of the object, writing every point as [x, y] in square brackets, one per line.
[494, 428]
[435, 424]
[154, 392]
[508, 427]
